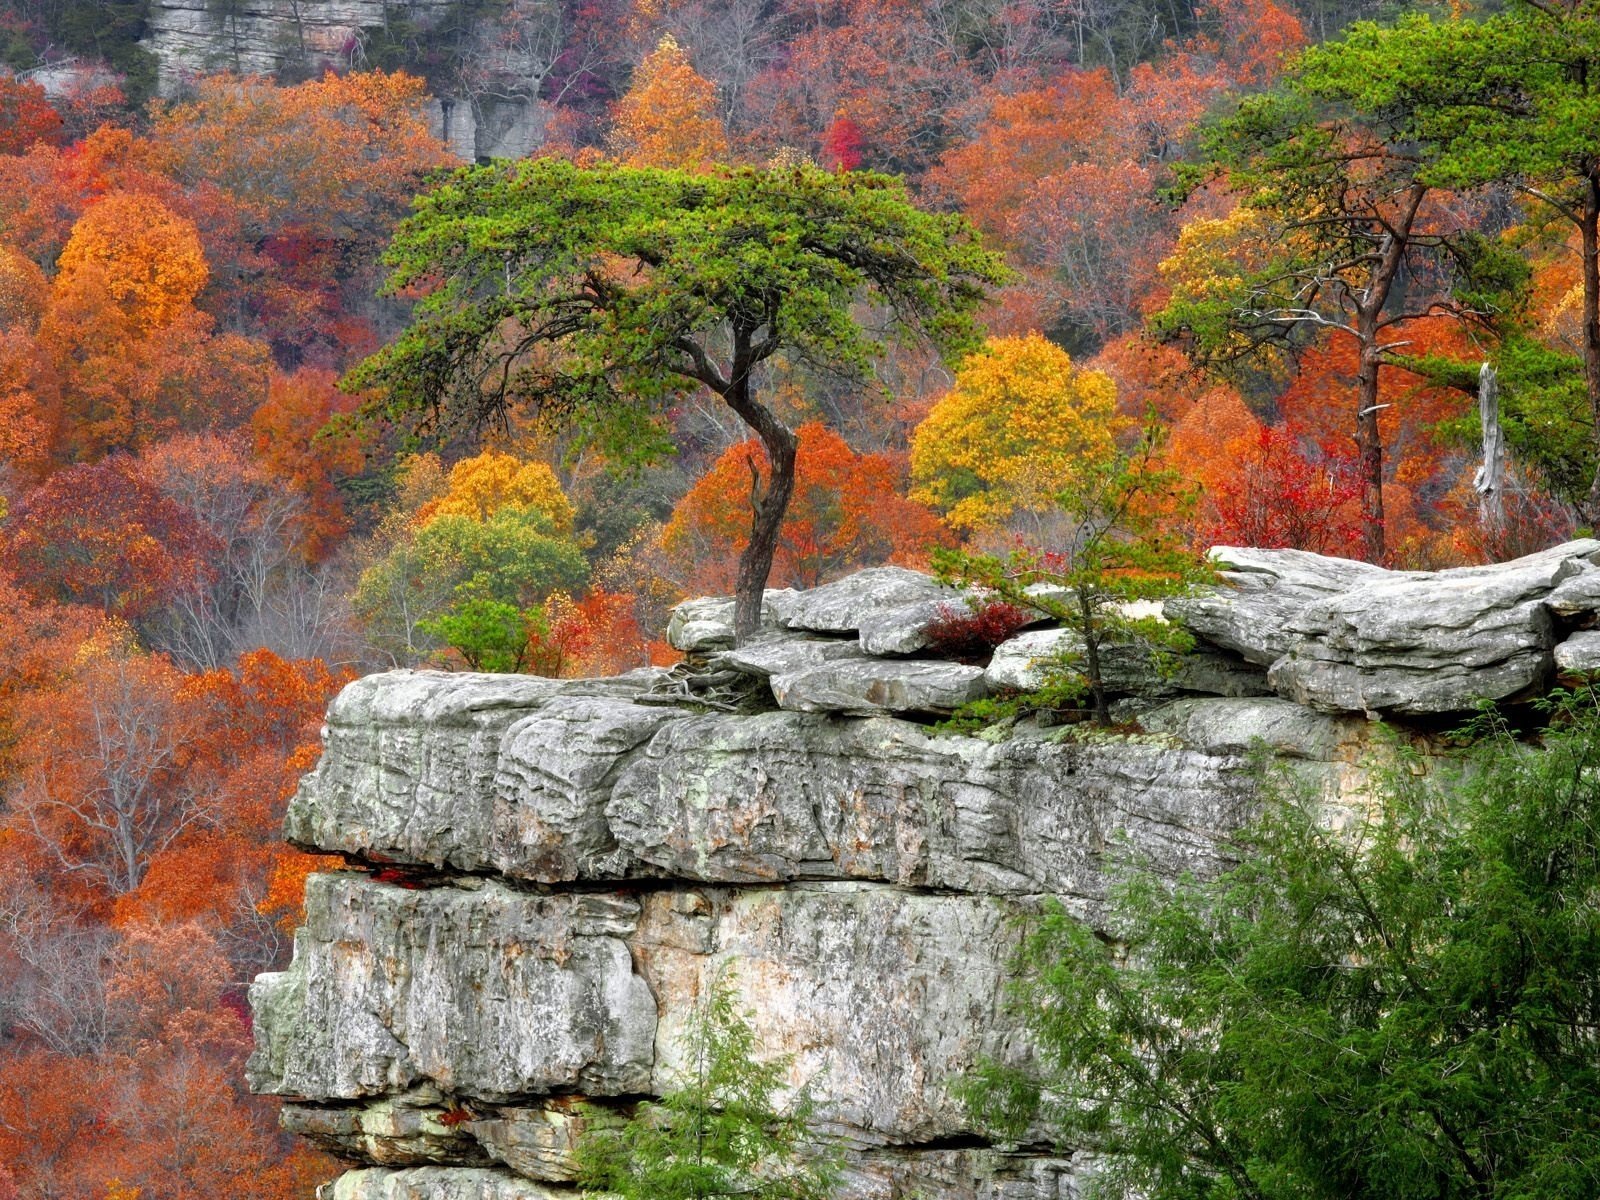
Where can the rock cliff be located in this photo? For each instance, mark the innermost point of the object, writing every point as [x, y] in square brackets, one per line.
[547, 874]
[501, 118]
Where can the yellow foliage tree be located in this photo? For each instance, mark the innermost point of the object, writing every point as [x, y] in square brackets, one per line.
[480, 485]
[1016, 429]
[668, 117]
[149, 259]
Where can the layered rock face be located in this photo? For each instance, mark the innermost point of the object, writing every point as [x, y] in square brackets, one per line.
[262, 37]
[549, 874]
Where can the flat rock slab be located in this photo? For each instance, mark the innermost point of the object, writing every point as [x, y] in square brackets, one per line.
[481, 991]
[402, 1130]
[1435, 643]
[539, 1142]
[598, 789]
[409, 761]
[1263, 591]
[880, 685]
[1580, 653]
[786, 653]
[867, 1175]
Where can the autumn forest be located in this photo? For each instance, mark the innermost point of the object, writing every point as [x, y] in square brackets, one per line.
[1271, 244]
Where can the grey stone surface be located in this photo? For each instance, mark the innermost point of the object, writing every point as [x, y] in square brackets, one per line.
[1580, 653]
[1237, 726]
[552, 781]
[859, 875]
[1433, 643]
[594, 788]
[706, 624]
[882, 996]
[842, 606]
[793, 796]
[1578, 595]
[903, 629]
[785, 653]
[410, 758]
[438, 1183]
[401, 1130]
[478, 991]
[1262, 592]
[194, 37]
[1024, 662]
[880, 685]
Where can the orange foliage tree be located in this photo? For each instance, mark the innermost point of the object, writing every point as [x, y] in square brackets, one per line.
[150, 259]
[668, 117]
[847, 512]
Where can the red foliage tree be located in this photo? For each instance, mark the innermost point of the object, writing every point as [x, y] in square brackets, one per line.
[96, 534]
[1271, 495]
[26, 117]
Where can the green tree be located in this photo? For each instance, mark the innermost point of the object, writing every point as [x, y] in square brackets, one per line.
[1401, 1009]
[510, 560]
[718, 1132]
[1121, 547]
[1336, 237]
[600, 293]
[1511, 99]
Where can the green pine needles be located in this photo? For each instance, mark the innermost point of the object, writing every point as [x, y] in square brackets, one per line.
[719, 1132]
[1405, 1010]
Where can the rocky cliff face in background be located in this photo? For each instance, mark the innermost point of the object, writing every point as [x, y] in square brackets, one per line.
[549, 873]
[501, 117]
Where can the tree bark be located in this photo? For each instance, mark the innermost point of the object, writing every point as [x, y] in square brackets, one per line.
[755, 563]
[1369, 448]
[1588, 213]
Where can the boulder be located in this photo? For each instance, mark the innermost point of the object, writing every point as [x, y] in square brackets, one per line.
[1580, 653]
[785, 653]
[904, 628]
[880, 685]
[706, 624]
[844, 605]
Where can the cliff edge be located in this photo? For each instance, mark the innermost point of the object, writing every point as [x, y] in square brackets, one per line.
[547, 874]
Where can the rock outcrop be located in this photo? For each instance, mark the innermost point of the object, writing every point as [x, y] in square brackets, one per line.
[547, 875]
[505, 119]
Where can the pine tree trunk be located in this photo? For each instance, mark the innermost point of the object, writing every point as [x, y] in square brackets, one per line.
[1369, 448]
[772, 502]
[1588, 212]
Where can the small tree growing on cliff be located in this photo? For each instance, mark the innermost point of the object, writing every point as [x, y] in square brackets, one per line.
[718, 1133]
[600, 293]
[1122, 546]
